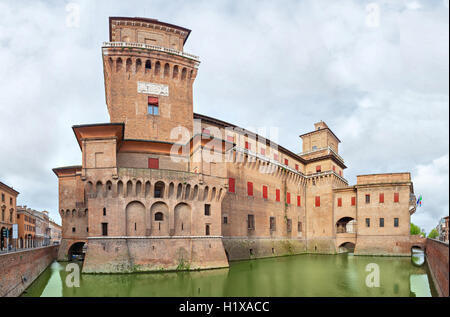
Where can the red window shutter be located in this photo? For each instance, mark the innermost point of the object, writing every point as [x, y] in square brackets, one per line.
[381, 198]
[247, 145]
[339, 202]
[317, 201]
[296, 167]
[353, 201]
[263, 151]
[250, 188]
[153, 101]
[318, 169]
[153, 163]
[334, 168]
[277, 198]
[288, 198]
[206, 131]
[265, 192]
[275, 157]
[286, 162]
[340, 173]
[230, 138]
[231, 182]
[396, 197]
[299, 201]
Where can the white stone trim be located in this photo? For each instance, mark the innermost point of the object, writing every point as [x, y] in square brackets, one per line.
[153, 48]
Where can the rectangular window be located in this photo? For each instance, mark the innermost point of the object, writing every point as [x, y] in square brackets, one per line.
[206, 131]
[231, 182]
[395, 222]
[318, 169]
[251, 222]
[153, 106]
[296, 167]
[381, 198]
[289, 225]
[381, 222]
[340, 173]
[275, 157]
[225, 220]
[367, 222]
[286, 162]
[339, 202]
[265, 195]
[207, 229]
[334, 168]
[248, 146]
[272, 224]
[299, 227]
[263, 151]
[299, 201]
[230, 138]
[104, 228]
[367, 198]
[3, 198]
[207, 210]
[317, 201]
[250, 188]
[353, 201]
[10, 201]
[73, 229]
[288, 198]
[277, 195]
[396, 197]
[153, 163]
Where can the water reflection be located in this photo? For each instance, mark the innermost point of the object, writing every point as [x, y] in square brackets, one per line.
[303, 275]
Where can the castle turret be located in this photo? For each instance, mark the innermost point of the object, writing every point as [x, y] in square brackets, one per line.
[148, 77]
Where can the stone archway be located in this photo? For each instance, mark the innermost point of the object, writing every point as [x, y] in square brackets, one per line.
[135, 219]
[346, 247]
[159, 213]
[346, 225]
[76, 251]
[182, 219]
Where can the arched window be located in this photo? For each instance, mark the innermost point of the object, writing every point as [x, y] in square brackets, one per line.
[138, 64]
[118, 64]
[175, 72]
[148, 65]
[183, 73]
[157, 67]
[166, 70]
[129, 63]
[159, 190]
[159, 216]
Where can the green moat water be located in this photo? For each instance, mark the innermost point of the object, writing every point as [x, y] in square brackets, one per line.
[300, 275]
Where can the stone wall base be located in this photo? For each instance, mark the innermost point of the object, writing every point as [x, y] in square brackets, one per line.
[147, 254]
[63, 252]
[383, 245]
[254, 248]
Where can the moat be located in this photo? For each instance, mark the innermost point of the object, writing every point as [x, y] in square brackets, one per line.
[301, 275]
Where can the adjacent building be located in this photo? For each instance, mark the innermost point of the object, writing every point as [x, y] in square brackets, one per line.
[55, 232]
[442, 229]
[8, 199]
[26, 222]
[163, 188]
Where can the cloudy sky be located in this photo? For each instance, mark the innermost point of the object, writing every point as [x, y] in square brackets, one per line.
[376, 72]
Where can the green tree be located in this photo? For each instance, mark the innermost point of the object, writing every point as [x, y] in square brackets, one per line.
[433, 234]
[415, 230]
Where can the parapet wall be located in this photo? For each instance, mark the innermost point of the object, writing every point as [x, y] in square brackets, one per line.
[437, 257]
[19, 269]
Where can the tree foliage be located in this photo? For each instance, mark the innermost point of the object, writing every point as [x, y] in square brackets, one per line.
[415, 230]
[433, 234]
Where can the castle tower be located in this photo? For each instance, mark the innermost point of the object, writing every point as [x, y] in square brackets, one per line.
[148, 77]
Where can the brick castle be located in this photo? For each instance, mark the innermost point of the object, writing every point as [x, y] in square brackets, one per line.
[163, 188]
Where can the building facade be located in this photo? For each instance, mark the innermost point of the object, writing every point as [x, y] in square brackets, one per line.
[26, 222]
[163, 188]
[55, 232]
[442, 229]
[8, 200]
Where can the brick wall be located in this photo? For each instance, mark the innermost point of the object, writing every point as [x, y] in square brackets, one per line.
[437, 258]
[20, 269]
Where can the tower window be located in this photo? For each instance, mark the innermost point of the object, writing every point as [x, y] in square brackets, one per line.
[367, 222]
[395, 222]
[272, 224]
[148, 65]
[104, 229]
[265, 196]
[396, 198]
[318, 169]
[367, 199]
[153, 106]
[381, 222]
[317, 201]
[250, 222]
[225, 220]
[207, 210]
